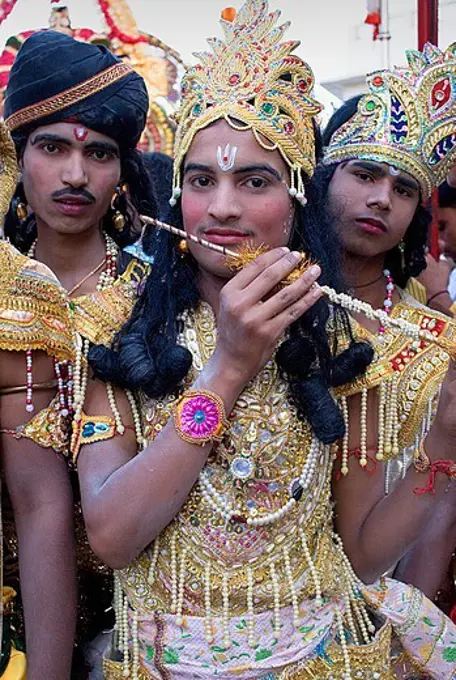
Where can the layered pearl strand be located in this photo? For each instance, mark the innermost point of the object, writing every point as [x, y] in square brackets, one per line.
[29, 407]
[109, 273]
[227, 511]
[388, 423]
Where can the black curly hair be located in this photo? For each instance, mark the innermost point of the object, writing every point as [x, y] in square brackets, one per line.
[146, 355]
[141, 200]
[416, 236]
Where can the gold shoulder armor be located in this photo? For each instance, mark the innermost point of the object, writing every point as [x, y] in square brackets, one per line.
[34, 312]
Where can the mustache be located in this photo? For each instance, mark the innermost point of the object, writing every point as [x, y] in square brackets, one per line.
[75, 193]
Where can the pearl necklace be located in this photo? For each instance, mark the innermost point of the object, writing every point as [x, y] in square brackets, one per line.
[217, 501]
[72, 380]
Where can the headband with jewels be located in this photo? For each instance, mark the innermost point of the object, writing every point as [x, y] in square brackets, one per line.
[407, 119]
[254, 82]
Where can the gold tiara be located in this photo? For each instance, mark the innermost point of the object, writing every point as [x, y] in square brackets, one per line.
[254, 82]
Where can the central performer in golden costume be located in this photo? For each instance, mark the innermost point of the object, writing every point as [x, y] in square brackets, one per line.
[207, 484]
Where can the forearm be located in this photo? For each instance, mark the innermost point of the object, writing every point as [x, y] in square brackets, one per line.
[138, 499]
[395, 523]
[48, 585]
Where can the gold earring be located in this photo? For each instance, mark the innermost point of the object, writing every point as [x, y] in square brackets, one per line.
[118, 219]
[21, 211]
[182, 246]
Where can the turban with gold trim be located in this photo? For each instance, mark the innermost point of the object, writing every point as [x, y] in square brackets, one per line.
[56, 78]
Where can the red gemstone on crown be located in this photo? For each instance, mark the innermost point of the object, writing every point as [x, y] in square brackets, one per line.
[441, 93]
[289, 127]
[377, 81]
[302, 86]
[234, 79]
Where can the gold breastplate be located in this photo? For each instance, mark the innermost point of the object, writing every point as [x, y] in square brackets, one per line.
[239, 531]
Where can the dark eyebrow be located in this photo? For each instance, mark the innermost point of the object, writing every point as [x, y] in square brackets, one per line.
[238, 171]
[57, 139]
[197, 166]
[49, 137]
[102, 146]
[259, 168]
[375, 168]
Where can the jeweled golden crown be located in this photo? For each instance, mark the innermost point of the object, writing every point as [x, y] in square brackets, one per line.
[253, 81]
[407, 119]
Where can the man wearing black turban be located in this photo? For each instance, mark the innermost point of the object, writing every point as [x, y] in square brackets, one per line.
[76, 113]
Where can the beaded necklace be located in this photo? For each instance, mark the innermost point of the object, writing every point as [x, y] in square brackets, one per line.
[72, 380]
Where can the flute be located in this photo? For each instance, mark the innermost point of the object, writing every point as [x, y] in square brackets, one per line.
[239, 259]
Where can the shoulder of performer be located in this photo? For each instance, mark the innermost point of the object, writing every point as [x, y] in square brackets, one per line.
[34, 311]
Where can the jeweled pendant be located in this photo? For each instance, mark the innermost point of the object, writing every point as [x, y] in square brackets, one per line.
[242, 468]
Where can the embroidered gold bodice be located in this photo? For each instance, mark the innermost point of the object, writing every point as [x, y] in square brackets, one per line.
[253, 471]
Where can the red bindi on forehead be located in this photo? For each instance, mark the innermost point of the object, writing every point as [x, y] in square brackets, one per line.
[80, 133]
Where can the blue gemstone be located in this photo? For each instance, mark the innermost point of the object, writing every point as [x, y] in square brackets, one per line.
[102, 427]
[199, 416]
[88, 430]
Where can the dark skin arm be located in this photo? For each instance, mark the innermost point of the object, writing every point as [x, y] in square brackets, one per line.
[378, 530]
[128, 499]
[38, 484]
[426, 564]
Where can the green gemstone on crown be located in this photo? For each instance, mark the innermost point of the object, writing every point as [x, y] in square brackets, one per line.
[268, 108]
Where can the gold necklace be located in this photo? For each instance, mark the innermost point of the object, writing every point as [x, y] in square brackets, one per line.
[87, 277]
[107, 277]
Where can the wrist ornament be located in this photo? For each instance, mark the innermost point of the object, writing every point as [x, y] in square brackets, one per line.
[422, 463]
[200, 417]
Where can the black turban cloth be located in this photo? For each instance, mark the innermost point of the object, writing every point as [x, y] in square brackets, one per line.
[49, 63]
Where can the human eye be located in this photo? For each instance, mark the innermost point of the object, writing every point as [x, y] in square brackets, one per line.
[405, 192]
[200, 181]
[363, 175]
[50, 148]
[101, 155]
[256, 183]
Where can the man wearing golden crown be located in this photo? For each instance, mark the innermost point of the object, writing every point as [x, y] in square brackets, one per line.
[385, 152]
[209, 490]
[34, 328]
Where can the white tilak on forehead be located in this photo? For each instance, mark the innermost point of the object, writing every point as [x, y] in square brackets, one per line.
[226, 158]
[394, 171]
